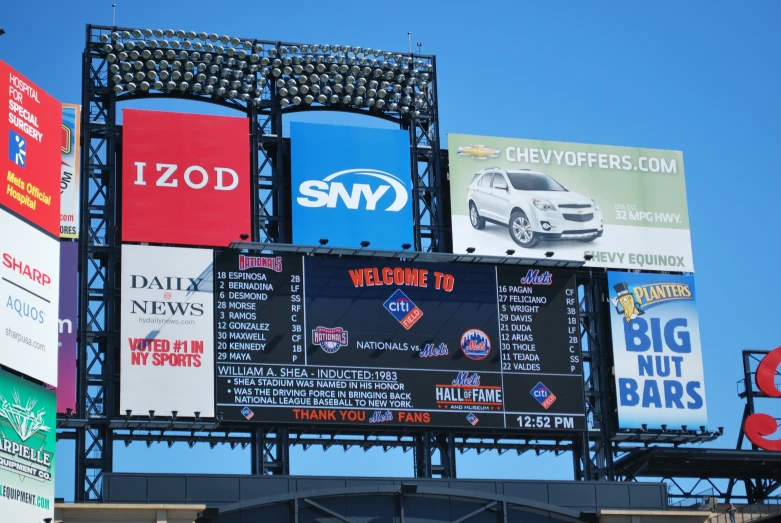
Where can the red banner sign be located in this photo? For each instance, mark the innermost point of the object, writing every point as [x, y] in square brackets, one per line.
[759, 425]
[185, 178]
[30, 139]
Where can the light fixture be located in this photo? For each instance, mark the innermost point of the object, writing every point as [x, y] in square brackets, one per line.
[549, 254]
[405, 246]
[323, 241]
[151, 414]
[364, 244]
[470, 250]
[645, 427]
[588, 257]
[510, 252]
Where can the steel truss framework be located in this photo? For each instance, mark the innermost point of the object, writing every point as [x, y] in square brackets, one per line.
[97, 424]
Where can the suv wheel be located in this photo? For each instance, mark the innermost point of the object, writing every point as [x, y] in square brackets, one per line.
[521, 230]
[477, 221]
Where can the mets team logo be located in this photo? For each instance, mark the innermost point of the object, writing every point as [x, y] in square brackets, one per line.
[402, 308]
[330, 340]
[475, 344]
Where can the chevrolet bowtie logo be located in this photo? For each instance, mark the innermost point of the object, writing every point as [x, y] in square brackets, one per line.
[480, 152]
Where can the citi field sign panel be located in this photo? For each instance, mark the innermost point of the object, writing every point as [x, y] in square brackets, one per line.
[623, 206]
[657, 352]
[351, 185]
[185, 178]
[167, 331]
[29, 151]
[69, 171]
[27, 449]
[29, 299]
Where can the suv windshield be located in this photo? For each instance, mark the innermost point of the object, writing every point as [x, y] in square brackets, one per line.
[533, 182]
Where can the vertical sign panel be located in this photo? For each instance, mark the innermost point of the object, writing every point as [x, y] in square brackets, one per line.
[351, 185]
[70, 173]
[29, 151]
[167, 333]
[185, 178]
[29, 299]
[27, 446]
[66, 367]
[656, 347]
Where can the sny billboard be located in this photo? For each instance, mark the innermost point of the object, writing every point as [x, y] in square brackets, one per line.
[656, 349]
[30, 151]
[351, 185]
[27, 448]
[167, 331]
[624, 207]
[185, 178]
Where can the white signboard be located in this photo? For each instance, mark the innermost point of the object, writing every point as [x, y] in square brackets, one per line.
[29, 294]
[167, 332]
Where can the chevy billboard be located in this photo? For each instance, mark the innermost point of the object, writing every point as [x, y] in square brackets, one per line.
[623, 207]
[350, 185]
[656, 351]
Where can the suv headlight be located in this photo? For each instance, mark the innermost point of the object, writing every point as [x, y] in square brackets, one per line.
[596, 205]
[543, 205]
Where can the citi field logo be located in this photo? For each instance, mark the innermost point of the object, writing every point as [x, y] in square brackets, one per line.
[478, 152]
[543, 395]
[330, 191]
[402, 308]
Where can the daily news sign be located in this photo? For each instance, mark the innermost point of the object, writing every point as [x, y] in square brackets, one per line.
[185, 178]
[656, 350]
[623, 206]
[167, 332]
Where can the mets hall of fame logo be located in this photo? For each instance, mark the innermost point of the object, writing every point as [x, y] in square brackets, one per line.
[330, 340]
[475, 344]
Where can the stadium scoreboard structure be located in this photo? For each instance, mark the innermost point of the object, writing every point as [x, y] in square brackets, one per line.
[375, 342]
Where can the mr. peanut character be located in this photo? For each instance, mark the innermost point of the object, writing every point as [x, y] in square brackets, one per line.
[624, 302]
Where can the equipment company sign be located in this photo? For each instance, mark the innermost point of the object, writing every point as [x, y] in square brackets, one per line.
[27, 448]
[351, 185]
[167, 332]
[657, 353]
[621, 207]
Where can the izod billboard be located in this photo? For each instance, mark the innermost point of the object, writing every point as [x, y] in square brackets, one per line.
[30, 151]
[167, 331]
[185, 178]
[619, 207]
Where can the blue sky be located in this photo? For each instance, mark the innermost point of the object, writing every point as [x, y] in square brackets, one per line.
[697, 76]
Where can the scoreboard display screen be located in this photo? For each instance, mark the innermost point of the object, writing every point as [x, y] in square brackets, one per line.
[325, 340]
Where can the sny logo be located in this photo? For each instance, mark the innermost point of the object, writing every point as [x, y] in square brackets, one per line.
[327, 193]
[17, 149]
[543, 395]
[471, 418]
[330, 340]
[247, 413]
[402, 308]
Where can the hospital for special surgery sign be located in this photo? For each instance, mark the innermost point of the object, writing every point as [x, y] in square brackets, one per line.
[30, 140]
[656, 351]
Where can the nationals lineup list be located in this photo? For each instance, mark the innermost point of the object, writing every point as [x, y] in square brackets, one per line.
[383, 342]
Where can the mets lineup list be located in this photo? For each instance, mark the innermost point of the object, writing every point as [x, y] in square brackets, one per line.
[322, 340]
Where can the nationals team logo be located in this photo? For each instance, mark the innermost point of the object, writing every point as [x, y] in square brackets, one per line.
[330, 340]
[475, 344]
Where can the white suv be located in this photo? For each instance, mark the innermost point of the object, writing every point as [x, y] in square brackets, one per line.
[534, 207]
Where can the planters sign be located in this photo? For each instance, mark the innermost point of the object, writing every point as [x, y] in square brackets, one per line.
[351, 184]
[656, 347]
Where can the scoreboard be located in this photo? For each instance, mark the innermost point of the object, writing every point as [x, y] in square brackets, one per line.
[326, 340]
